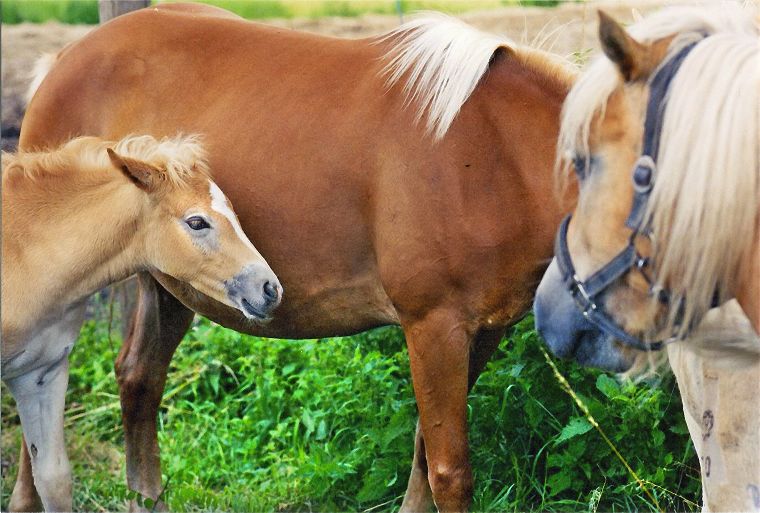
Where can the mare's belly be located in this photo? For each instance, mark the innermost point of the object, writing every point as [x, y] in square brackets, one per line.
[325, 312]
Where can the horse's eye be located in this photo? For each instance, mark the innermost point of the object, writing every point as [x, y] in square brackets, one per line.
[197, 223]
[580, 162]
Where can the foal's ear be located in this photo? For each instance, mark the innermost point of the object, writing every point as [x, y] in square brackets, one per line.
[629, 55]
[144, 175]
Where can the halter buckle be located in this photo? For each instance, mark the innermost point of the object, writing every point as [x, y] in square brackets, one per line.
[588, 303]
[580, 288]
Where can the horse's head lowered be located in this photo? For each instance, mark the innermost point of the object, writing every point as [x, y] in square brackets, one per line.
[648, 131]
[201, 241]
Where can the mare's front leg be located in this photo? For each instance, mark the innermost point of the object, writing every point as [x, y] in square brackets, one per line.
[439, 347]
[158, 325]
[418, 496]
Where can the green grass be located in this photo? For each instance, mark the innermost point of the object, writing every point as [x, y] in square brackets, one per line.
[86, 11]
[253, 424]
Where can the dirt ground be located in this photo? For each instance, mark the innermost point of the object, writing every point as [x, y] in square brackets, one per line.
[565, 30]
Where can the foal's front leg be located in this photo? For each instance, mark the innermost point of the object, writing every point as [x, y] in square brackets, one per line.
[40, 396]
[39, 388]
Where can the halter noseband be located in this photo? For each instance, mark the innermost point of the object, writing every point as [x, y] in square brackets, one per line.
[585, 292]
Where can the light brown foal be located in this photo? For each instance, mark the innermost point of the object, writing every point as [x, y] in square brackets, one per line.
[85, 215]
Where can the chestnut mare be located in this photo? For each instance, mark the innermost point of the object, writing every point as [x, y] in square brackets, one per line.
[404, 179]
[684, 220]
[88, 214]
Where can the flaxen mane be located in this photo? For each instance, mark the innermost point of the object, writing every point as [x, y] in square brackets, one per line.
[706, 194]
[440, 61]
[179, 158]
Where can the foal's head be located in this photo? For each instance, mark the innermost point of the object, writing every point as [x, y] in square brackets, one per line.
[191, 231]
[674, 236]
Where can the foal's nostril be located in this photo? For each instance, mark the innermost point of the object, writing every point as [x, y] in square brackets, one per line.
[270, 291]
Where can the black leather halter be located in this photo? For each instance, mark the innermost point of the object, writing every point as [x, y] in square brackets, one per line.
[585, 292]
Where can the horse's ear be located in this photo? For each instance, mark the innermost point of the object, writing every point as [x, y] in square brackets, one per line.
[141, 173]
[629, 55]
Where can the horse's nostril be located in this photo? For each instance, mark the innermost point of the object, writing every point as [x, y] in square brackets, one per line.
[270, 291]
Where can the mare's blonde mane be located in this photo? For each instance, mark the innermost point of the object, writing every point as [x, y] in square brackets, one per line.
[706, 193]
[179, 158]
[441, 60]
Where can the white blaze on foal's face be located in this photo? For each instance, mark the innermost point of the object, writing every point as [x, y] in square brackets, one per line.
[253, 288]
[221, 204]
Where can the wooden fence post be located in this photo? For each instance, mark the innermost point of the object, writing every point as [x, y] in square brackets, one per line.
[108, 9]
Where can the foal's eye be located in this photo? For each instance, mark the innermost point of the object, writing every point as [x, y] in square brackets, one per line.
[197, 223]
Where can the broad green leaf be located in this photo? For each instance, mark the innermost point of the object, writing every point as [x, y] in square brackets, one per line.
[308, 421]
[559, 482]
[607, 385]
[321, 430]
[575, 427]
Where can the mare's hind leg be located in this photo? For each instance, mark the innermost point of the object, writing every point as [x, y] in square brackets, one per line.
[158, 325]
[418, 496]
[40, 396]
[24, 496]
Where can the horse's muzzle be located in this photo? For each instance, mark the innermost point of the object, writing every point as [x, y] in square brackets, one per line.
[568, 333]
[256, 291]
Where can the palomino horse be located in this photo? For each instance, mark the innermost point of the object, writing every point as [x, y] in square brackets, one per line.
[665, 140]
[426, 201]
[83, 216]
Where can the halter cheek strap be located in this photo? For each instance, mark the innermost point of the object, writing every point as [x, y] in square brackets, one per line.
[659, 86]
[586, 292]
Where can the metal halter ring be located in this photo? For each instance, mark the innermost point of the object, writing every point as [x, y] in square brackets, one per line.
[643, 174]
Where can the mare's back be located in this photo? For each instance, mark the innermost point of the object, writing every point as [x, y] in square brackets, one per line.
[193, 69]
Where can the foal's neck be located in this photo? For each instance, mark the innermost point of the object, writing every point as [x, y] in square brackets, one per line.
[64, 237]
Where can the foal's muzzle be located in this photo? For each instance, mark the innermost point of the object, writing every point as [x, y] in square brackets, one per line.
[256, 291]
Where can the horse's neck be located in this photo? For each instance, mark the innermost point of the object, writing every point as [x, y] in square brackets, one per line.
[525, 95]
[65, 237]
